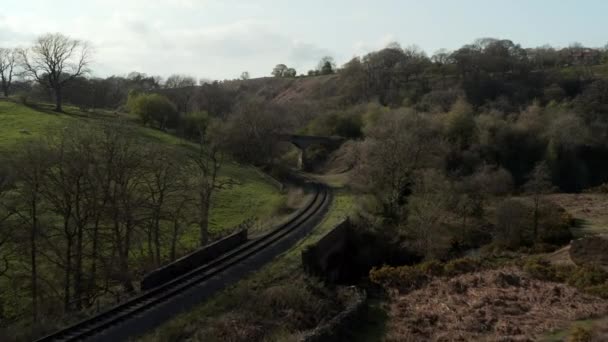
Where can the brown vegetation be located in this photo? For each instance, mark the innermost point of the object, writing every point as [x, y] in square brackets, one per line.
[496, 305]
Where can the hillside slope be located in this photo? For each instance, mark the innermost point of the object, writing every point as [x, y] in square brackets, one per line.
[253, 196]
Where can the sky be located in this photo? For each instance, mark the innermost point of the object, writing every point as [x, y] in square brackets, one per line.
[219, 39]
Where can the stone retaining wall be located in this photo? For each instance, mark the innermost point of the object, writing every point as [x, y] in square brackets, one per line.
[325, 258]
[193, 260]
[339, 327]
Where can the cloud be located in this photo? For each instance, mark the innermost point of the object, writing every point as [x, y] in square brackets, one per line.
[216, 51]
[303, 54]
[10, 37]
[165, 37]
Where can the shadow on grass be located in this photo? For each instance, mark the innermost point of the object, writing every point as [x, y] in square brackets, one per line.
[77, 113]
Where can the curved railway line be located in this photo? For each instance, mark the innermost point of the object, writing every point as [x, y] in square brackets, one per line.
[149, 309]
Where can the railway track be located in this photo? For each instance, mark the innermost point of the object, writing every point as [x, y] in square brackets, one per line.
[147, 310]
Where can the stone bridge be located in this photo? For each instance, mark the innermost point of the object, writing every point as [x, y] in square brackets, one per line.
[303, 142]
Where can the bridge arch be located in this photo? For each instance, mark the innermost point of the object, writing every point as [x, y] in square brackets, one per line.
[303, 142]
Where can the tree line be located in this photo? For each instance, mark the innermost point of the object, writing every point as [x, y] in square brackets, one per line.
[487, 70]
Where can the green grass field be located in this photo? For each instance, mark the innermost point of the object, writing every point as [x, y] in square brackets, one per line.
[253, 196]
[20, 123]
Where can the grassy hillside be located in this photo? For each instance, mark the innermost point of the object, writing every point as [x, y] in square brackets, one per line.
[252, 197]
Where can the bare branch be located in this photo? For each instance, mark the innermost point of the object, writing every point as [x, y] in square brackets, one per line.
[8, 59]
[55, 60]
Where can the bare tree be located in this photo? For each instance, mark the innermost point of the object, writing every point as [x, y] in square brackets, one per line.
[397, 146]
[32, 167]
[205, 165]
[180, 81]
[54, 60]
[252, 132]
[539, 183]
[163, 185]
[5, 214]
[8, 59]
[441, 56]
[428, 214]
[245, 75]
[326, 65]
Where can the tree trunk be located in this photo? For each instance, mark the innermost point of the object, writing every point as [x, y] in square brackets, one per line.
[78, 286]
[174, 238]
[150, 249]
[94, 253]
[68, 275]
[34, 273]
[204, 218]
[536, 203]
[128, 286]
[157, 240]
[58, 100]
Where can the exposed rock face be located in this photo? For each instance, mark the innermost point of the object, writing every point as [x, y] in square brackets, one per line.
[590, 250]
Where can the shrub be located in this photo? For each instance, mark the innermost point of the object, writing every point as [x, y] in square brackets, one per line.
[589, 279]
[432, 268]
[598, 290]
[514, 227]
[542, 247]
[153, 108]
[344, 124]
[438, 100]
[580, 334]
[587, 276]
[303, 306]
[316, 153]
[554, 224]
[402, 278]
[601, 189]
[512, 219]
[460, 266]
[540, 269]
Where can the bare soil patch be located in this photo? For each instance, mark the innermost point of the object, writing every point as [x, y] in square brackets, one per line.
[496, 305]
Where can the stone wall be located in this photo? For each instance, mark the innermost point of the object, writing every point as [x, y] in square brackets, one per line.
[193, 260]
[325, 258]
[339, 327]
[270, 179]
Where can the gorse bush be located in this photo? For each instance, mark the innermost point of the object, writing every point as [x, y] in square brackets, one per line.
[598, 290]
[432, 268]
[407, 278]
[580, 334]
[590, 279]
[402, 278]
[541, 269]
[586, 276]
[460, 266]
